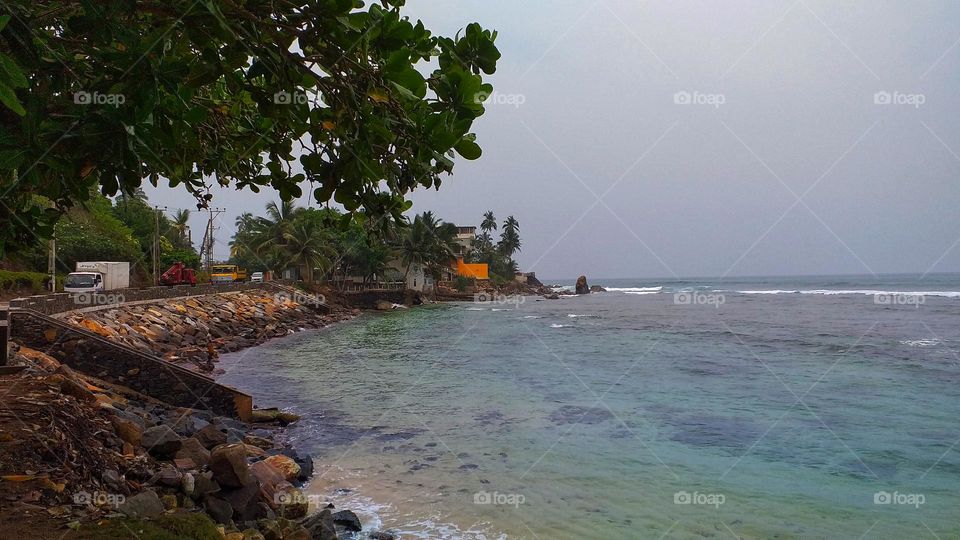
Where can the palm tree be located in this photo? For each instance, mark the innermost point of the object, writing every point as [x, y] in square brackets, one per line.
[181, 225]
[489, 222]
[308, 246]
[510, 237]
[414, 246]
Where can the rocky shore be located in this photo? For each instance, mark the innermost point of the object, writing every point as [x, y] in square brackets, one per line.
[193, 331]
[90, 453]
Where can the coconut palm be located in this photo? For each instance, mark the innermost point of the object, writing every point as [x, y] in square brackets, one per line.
[510, 237]
[489, 222]
[308, 246]
[180, 226]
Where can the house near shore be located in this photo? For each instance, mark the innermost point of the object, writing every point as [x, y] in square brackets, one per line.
[417, 277]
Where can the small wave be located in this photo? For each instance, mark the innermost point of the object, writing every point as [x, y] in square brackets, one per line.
[474, 309]
[921, 342]
[500, 309]
[531, 316]
[867, 292]
[575, 315]
[636, 290]
[560, 325]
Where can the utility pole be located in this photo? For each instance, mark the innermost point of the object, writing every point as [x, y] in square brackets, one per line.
[207, 245]
[52, 263]
[156, 243]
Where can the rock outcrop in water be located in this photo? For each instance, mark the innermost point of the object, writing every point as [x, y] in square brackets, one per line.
[582, 287]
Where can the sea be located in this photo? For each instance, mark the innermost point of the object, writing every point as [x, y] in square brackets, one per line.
[782, 407]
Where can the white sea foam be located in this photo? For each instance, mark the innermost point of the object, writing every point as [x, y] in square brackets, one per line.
[636, 290]
[921, 342]
[867, 292]
[474, 309]
[531, 316]
[575, 315]
[560, 325]
[500, 309]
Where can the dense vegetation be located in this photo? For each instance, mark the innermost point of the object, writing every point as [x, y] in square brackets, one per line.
[326, 94]
[316, 242]
[123, 230]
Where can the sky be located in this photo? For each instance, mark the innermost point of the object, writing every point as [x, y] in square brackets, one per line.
[693, 138]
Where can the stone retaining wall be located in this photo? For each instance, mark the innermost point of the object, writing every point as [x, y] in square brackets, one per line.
[89, 353]
[50, 304]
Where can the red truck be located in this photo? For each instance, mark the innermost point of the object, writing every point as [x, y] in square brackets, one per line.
[179, 274]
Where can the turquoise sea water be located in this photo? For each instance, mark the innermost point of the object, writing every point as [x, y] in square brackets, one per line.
[754, 408]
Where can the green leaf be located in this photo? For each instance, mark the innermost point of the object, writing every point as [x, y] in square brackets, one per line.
[4, 19]
[14, 77]
[469, 149]
[9, 98]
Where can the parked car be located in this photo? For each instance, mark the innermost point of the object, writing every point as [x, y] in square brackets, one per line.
[256, 277]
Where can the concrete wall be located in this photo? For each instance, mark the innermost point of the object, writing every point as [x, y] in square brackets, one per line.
[50, 304]
[93, 355]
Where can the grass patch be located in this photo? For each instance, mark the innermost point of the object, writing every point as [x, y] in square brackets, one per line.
[190, 526]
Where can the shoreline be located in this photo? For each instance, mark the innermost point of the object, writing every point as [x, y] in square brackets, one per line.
[193, 332]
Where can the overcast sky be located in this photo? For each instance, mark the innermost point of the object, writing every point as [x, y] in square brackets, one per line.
[695, 138]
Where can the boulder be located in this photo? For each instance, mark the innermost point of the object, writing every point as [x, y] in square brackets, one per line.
[229, 465]
[381, 535]
[128, 430]
[582, 287]
[291, 502]
[194, 450]
[273, 416]
[597, 288]
[169, 476]
[321, 526]
[160, 441]
[145, 504]
[211, 437]
[347, 520]
[243, 501]
[285, 465]
[219, 509]
[204, 484]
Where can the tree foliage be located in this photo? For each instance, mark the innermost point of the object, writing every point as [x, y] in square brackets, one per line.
[251, 94]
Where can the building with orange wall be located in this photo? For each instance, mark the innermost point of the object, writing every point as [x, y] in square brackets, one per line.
[472, 270]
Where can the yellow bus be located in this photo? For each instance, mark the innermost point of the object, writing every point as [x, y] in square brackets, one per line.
[227, 273]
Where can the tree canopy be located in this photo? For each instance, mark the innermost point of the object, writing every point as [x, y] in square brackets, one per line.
[253, 94]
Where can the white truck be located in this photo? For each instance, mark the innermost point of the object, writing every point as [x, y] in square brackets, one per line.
[99, 276]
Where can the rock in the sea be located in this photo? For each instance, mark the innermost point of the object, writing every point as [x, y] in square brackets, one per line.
[347, 520]
[229, 465]
[552, 296]
[321, 526]
[286, 466]
[597, 288]
[582, 287]
[161, 441]
[145, 504]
